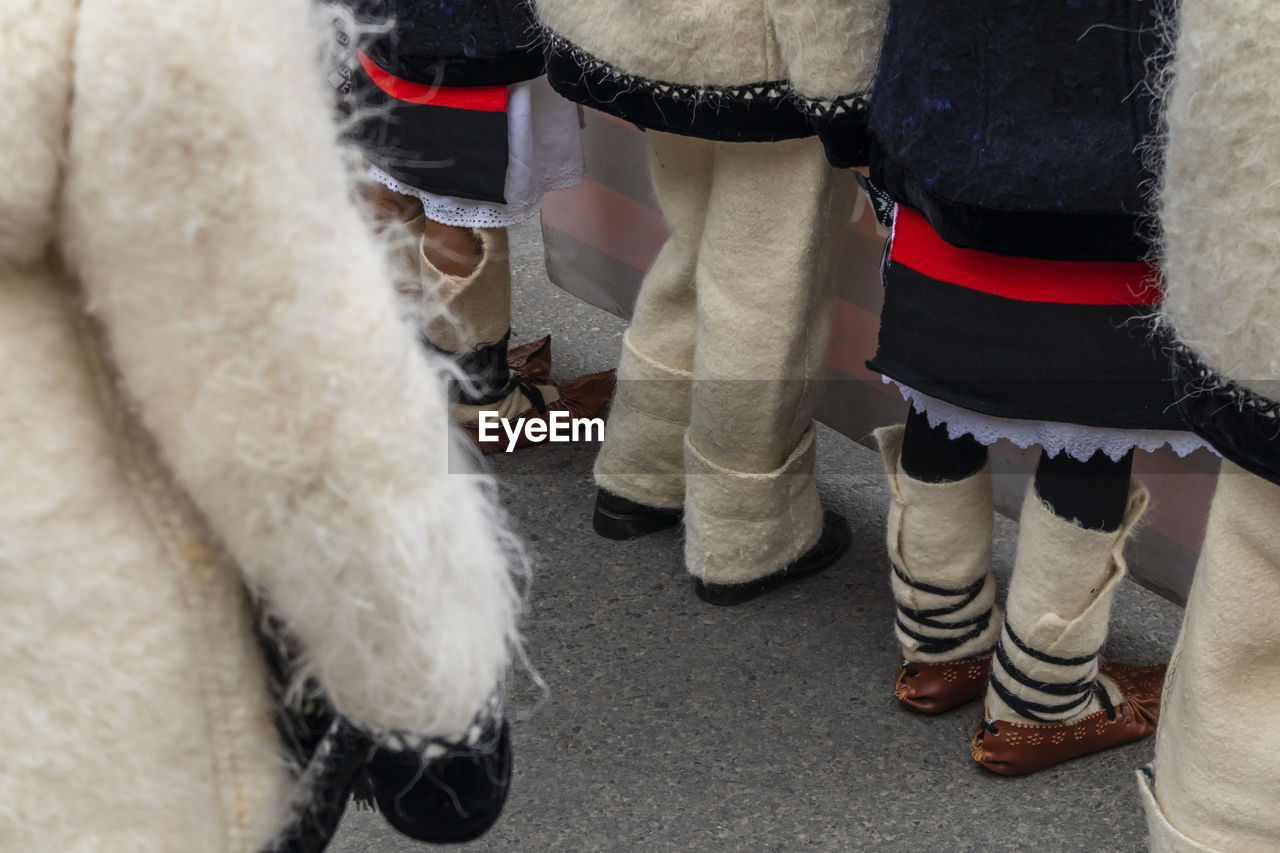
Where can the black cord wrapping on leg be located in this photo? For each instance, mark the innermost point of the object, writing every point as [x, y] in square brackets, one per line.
[1046, 658]
[1076, 692]
[534, 396]
[489, 377]
[943, 645]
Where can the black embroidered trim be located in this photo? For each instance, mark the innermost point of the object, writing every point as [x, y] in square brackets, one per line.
[757, 112]
[844, 126]
[330, 758]
[325, 752]
[448, 799]
[882, 204]
[1242, 425]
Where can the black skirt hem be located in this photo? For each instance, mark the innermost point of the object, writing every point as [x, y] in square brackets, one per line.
[970, 399]
[1090, 365]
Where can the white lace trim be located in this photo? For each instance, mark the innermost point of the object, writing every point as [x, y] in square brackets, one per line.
[465, 213]
[544, 154]
[1078, 442]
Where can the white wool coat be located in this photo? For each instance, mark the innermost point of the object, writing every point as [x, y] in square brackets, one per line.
[1219, 198]
[734, 70]
[826, 48]
[206, 391]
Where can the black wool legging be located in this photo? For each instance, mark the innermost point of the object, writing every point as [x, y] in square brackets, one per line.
[1093, 494]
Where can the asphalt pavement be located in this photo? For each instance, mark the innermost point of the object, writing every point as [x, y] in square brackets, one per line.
[648, 720]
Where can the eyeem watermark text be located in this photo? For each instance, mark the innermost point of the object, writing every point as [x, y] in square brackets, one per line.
[558, 426]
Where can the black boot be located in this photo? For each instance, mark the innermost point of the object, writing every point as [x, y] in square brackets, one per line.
[615, 517]
[831, 546]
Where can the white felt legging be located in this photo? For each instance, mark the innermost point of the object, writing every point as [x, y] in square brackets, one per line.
[714, 405]
[1217, 766]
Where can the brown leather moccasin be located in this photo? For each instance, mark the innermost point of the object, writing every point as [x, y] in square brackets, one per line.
[1015, 749]
[532, 360]
[932, 688]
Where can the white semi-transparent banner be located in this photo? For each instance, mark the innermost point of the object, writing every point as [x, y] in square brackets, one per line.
[601, 236]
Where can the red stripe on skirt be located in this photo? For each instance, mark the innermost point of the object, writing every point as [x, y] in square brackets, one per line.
[918, 246]
[488, 99]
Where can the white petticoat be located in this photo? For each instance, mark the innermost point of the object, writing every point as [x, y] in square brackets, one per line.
[1078, 442]
[544, 154]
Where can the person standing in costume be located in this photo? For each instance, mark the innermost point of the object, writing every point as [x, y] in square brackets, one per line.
[464, 137]
[713, 420]
[1215, 781]
[226, 500]
[1014, 285]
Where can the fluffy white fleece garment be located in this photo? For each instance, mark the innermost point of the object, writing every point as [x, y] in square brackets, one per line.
[207, 390]
[1219, 199]
[826, 48]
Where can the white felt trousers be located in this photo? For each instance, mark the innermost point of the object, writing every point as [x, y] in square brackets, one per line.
[1217, 765]
[714, 405]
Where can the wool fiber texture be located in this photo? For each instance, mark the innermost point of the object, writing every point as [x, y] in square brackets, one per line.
[289, 403]
[1059, 603]
[728, 337]
[133, 682]
[742, 526]
[939, 535]
[1218, 202]
[477, 307]
[33, 110]
[209, 394]
[1215, 771]
[642, 457]
[826, 48]
[1019, 106]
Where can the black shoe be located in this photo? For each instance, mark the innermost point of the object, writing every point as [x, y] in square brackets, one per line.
[615, 517]
[450, 800]
[831, 546]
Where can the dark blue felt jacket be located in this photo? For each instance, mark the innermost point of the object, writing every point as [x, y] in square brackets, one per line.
[1015, 126]
[453, 42]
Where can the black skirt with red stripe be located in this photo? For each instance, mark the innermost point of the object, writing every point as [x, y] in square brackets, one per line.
[445, 140]
[1023, 338]
[423, 113]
